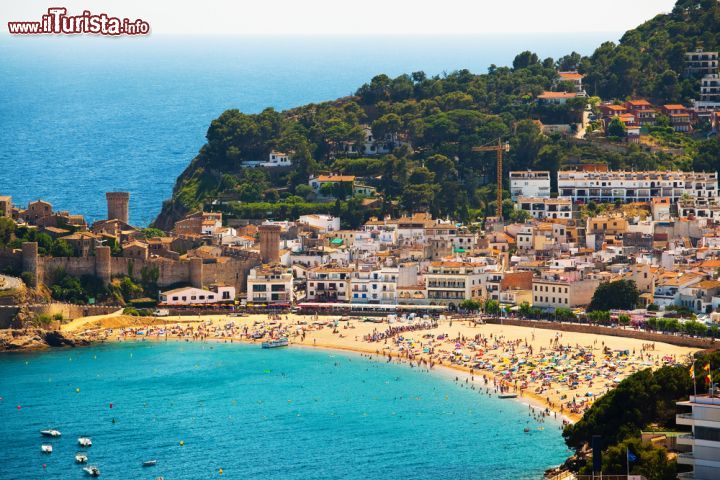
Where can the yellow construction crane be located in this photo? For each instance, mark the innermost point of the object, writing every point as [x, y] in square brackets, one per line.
[499, 149]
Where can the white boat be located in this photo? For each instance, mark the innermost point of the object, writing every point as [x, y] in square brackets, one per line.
[84, 442]
[81, 458]
[46, 448]
[92, 471]
[280, 342]
[50, 433]
[149, 463]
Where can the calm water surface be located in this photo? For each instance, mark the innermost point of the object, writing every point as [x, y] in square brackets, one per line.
[286, 413]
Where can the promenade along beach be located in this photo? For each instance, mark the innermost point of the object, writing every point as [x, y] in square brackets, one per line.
[561, 373]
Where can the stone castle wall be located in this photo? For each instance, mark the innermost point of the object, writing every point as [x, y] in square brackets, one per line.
[195, 271]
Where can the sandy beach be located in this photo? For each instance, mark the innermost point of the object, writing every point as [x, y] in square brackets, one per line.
[561, 373]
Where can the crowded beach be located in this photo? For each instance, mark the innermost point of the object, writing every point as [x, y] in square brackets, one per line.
[561, 373]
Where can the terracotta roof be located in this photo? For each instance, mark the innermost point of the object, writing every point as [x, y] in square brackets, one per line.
[549, 95]
[571, 75]
[336, 178]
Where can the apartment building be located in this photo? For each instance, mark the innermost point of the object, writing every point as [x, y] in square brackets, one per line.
[371, 284]
[701, 63]
[329, 283]
[628, 186]
[562, 293]
[271, 284]
[542, 208]
[529, 184]
[704, 439]
[449, 283]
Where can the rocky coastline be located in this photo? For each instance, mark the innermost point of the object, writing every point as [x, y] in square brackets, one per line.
[30, 339]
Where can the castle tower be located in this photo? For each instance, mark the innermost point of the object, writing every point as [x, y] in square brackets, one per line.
[118, 204]
[102, 264]
[196, 272]
[269, 243]
[30, 262]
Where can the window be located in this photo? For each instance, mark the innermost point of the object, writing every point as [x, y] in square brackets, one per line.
[193, 297]
[202, 297]
[211, 297]
[175, 298]
[184, 297]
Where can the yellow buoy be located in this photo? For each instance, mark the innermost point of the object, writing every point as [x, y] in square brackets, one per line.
[77, 390]
[220, 471]
[182, 443]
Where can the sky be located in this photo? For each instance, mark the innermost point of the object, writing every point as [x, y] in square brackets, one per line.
[353, 17]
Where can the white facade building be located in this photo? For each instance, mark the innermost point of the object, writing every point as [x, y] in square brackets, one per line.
[270, 284]
[627, 186]
[529, 184]
[277, 159]
[541, 208]
[374, 285]
[326, 223]
[705, 437]
[197, 296]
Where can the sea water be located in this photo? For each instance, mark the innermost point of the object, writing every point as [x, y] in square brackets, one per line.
[80, 116]
[293, 413]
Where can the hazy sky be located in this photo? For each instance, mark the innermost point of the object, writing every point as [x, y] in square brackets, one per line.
[358, 16]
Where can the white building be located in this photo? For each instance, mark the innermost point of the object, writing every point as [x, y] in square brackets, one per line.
[270, 284]
[541, 208]
[627, 186]
[529, 184]
[374, 285]
[277, 159]
[705, 437]
[450, 283]
[197, 296]
[326, 223]
[328, 283]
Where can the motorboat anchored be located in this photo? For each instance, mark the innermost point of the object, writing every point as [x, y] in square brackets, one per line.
[50, 433]
[280, 342]
[80, 457]
[149, 463]
[84, 442]
[92, 471]
[46, 448]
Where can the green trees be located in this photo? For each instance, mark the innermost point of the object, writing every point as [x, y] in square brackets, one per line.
[7, 229]
[620, 295]
[616, 128]
[470, 305]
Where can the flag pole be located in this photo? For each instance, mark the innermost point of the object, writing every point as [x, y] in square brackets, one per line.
[627, 460]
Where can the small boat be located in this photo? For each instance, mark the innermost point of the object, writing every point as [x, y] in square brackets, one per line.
[280, 342]
[92, 471]
[80, 457]
[507, 395]
[46, 448]
[149, 463]
[84, 442]
[159, 478]
[526, 430]
[50, 433]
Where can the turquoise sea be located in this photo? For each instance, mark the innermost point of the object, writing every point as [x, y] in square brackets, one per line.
[81, 116]
[286, 413]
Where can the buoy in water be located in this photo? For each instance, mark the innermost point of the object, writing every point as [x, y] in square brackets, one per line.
[220, 471]
[19, 407]
[77, 390]
[182, 443]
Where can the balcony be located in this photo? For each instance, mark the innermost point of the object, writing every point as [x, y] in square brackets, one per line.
[686, 458]
[684, 419]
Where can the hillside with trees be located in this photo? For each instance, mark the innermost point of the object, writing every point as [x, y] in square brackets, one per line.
[430, 125]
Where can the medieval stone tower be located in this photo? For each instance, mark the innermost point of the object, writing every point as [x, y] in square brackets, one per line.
[31, 262]
[269, 243]
[103, 269]
[118, 204]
